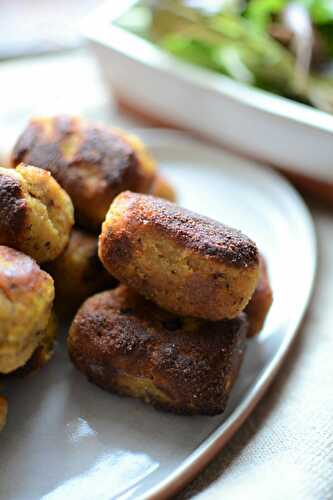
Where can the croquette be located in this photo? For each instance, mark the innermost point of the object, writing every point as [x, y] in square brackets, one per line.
[78, 271]
[261, 301]
[3, 412]
[26, 299]
[128, 345]
[93, 163]
[36, 215]
[163, 189]
[186, 263]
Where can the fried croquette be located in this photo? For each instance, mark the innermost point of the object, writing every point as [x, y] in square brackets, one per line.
[78, 272]
[261, 301]
[184, 262]
[36, 215]
[3, 412]
[163, 189]
[93, 163]
[26, 298]
[128, 345]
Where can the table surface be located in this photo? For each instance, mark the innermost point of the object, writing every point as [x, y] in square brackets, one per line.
[285, 448]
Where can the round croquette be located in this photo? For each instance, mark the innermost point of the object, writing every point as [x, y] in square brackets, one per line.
[93, 163]
[26, 298]
[36, 215]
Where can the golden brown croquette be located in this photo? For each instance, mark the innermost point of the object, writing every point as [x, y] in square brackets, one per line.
[184, 262]
[261, 301]
[36, 215]
[26, 298]
[78, 272]
[93, 163]
[128, 345]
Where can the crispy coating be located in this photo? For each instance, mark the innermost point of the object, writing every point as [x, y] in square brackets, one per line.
[163, 189]
[36, 215]
[93, 163]
[78, 272]
[184, 262]
[3, 412]
[26, 298]
[128, 345]
[261, 301]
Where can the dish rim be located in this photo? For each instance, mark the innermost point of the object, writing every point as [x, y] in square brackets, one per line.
[208, 449]
[100, 27]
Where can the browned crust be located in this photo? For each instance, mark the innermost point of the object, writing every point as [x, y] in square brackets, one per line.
[101, 165]
[201, 234]
[261, 301]
[194, 362]
[98, 146]
[13, 209]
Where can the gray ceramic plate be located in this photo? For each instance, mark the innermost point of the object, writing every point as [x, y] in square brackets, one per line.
[68, 439]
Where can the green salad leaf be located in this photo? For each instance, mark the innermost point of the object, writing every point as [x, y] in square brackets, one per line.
[229, 44]
[237, 44]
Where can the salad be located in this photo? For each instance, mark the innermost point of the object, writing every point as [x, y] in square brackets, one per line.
[282, 46]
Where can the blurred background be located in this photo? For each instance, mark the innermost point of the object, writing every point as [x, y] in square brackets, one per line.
[44, 65]
[37, 26]
[281, 47]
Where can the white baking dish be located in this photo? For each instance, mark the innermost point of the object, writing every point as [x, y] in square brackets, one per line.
[256, 123]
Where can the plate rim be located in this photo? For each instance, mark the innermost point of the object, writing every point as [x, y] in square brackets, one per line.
[209, 448]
